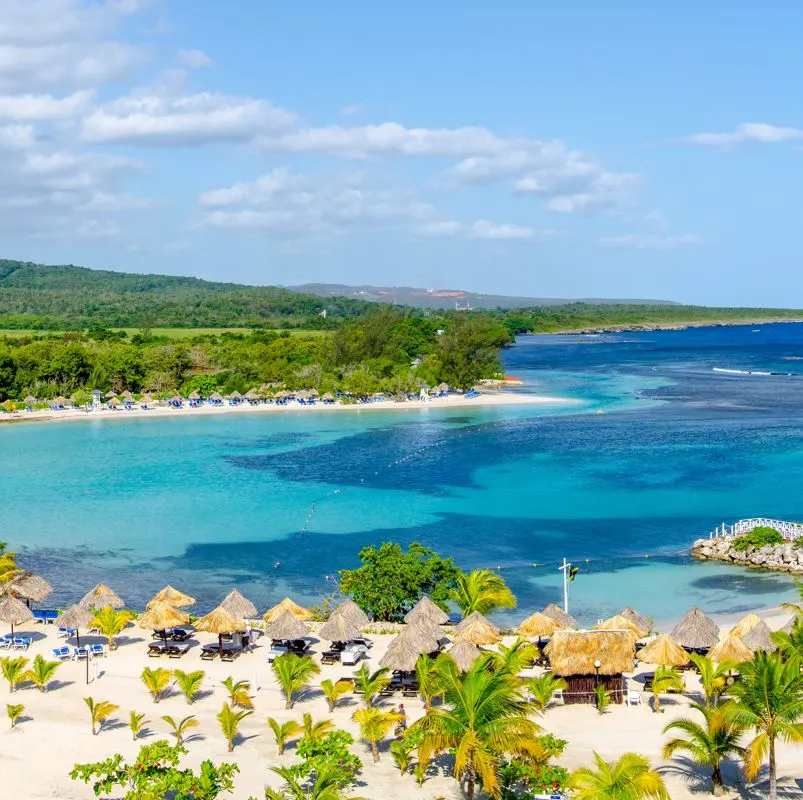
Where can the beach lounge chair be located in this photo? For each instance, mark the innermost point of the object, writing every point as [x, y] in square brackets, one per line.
[21, 642]
[6, 642]
[97, 650]
[177, 649]
[80, 652]
[66, 633]
[230, 653]
[62, 653]
[633, 698]
[156, 649]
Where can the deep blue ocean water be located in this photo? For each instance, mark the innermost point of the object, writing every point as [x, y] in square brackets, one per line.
[210, 502]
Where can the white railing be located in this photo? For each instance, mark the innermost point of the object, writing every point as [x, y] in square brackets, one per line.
[789, 530]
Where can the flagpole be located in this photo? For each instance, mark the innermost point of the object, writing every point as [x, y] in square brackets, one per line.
[565, 570]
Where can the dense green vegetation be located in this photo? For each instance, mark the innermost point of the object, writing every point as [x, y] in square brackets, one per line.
[758, 537]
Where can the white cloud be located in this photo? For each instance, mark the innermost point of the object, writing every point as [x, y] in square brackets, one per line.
[194, 59]
[435, 230]
[483, 229]
[746, 133]
[39, 107]
[651, 241]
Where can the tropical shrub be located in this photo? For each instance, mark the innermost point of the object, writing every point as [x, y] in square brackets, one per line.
[99, 712]
[758, 537]
[156, 682]
[230, 720]
[137, 723]
[14, 671]
[293, 674]
[334, 690]
[14, 712]
[543, 688]
[370, 684]
[41, 673]
[331, 750]
[239, 693]
[111, 623]
[628, 778]
[189, 683]
[283, 731]
[375, 725]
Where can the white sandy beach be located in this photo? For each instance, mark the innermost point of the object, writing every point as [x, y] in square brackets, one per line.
[55, 733]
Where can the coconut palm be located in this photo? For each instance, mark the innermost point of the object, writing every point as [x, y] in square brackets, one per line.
[370, 684]
[769, 700]
[664, 680]
[333, 691]
[136, 722]
[179, 727]
[374, 726]
[293, 674]
[542, 689]
[315, 730]
[283, 731]
[402, 754]
[327, 785]
[427, 675]
[627, 778]
[41, 673]
[708, 743]
[483, 718]
[156, 681]
[713, 677]
[99, 712]
[230, 720]
[189, 683]
[482, 590]
[8, 564]
[790, 644]
[111, 623]
[13, 670]
[513, 657]
[239, 693]
[14, 713]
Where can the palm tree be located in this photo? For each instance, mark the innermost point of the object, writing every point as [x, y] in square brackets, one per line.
[41, 673]
[14, 713]
[513, 658]
[543, 688]
[156, 681]
[110, 623]
[370, 684]
[707, 744]
[8, 564]
[293, 674]
[374, 726]
[315, 730]
[230, 720]
[239, 693]
[333, 691]
[790, 645]
[769, 700]
[628, 778]
[482, 590]
[136, 722]
[427, 675]
[14, 671]
[713, 677]
[179, 727]
[483, 718]
[99, 712]
[327, 785]
[189, 683]
[665, 678]
[283, 731]
[401, 752]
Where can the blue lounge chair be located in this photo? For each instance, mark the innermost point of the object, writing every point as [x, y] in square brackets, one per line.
[97, 650]
[62, 653]
[22, 642]
[5, 642]
[66, 633]
[79, 653]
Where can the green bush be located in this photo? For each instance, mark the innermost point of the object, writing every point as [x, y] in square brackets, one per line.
[758, 537]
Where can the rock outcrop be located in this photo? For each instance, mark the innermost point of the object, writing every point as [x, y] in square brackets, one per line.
[786, 557]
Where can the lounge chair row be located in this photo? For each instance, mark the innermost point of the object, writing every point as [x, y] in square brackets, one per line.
[76, 653]
[171, 649]
[15, 642]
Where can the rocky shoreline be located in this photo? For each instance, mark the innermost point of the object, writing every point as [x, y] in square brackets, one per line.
[786, 557]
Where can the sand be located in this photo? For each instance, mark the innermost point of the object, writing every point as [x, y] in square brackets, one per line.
[55, 733]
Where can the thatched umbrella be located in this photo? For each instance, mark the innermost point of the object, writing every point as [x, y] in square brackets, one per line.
[61, 401]
[238, 606]
[109, 395]
[790, 625]
[464, 654]
[663, 651]
[538, 624]
[340, 628]
[14, 611]
[423, 635]
[77, 617]
[29, 587]
[476, 629]
[425, 609]
[287, 626]
[114, 401]
[146, 398]
[328, 396]
[759, 637]
[127, 396]
[101, 597]
[219, 621]
[160, 616]
[696, 631]
[216, 396]
[196, 395]
[401, 655]
[172, 597]
[235, 396]
[349, 609]
[30, 400]
[252, 394]
[556, 612]
[620, 623]
[299, 612]
[731, 648]
[745, 624]
[639, 620]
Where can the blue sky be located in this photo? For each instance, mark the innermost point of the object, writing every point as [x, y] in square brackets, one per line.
[569, 150]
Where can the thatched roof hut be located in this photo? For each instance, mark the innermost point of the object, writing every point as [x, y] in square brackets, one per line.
[172, 597]
[696, 631]
[745, 624]
[110, 394]
[196, 395]
[287, 626]
[350, 610]
[538, 624]
[127, 396]
[29, 586]
[235, 396]
[218, 621]
[476, 629]
[425, 609]
[401, 655]
[731, 648]
[216, 396]
[556, 612]
[146, 398]
[663, 651]
[299, 612]
[619, 623]
[759, 637]
[113, 401]
[101, 596]
[639, 620]
[328, 396]
[464, 654]
[340, 628]
[238, 606]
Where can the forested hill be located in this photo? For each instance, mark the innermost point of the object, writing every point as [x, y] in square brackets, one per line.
[43, 297]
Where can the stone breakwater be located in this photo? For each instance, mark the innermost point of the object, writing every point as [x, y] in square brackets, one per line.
[786, 557]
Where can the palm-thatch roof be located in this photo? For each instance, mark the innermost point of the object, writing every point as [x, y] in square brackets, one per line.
[464, 654]
[238, 606]
[216, 396]
[731, 648]
[350, 610]
[696, 631]
[401, 655]
[328, 396]
[196, 395]
[172, 597]
[146, 398]
[556, 612]
[427, 610]
[423, 635]
[29, 586]
[745, 624]
[639, 620]
[101, 596]
[235, 395]
[476, 629]
[113, 401]
[29, 400]
[759, 637]
[620, 623]
[287, 626]
[663, 651]
[340, 628]
[574, 652]
[219, 620]
[14, 611]
[252, 394]
[538, 624]
[110, 394]
[76, 616]
[299, 612]
[161, 615]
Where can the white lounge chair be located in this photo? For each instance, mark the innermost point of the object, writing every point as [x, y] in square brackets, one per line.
[633, 698]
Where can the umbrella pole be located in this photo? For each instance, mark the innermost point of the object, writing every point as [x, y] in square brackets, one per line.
[87, 667]
[78, 636]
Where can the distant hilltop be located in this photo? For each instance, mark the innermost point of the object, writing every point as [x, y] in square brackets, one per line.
[452, 298]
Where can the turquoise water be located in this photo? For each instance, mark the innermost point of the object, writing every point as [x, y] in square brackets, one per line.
[209, 502]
